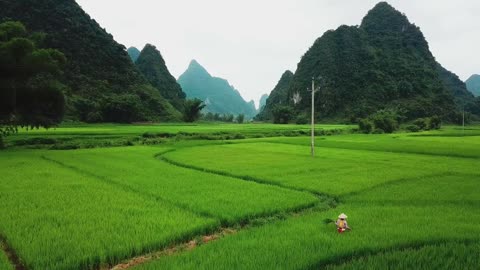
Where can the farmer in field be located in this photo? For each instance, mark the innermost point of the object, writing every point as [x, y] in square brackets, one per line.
[342, 223]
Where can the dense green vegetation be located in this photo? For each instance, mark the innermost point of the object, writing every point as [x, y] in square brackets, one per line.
[473, 84]
[406, 194]
[231, 196]
[419, 203]
[150, 62]
[192, 110]
[30, 95]
[219, 96]
[58, 218]
[102, 80]
[227, 199]
[442, 256]
[334, 171]
[105, 135]
[385, 63]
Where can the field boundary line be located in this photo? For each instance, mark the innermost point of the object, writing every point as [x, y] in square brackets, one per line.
[370, 150]
[394, 182]
[11, 254]
[128, 188]
[215, 232]
[222, 232]
[358, 254]
[241, 177]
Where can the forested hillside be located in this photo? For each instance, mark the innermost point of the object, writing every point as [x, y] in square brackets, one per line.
[103, 84]
[219, 96]
[278, 96]
[385, 63]
[153, 67]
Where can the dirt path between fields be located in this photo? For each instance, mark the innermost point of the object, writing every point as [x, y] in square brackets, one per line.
[325, 202]
[174, 249]
[11, 255]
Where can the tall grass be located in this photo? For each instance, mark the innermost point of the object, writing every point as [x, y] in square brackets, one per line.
[228, 199]
[307, 242]
[334, 171]
[444, 256]
[440, 144]
[56, 218]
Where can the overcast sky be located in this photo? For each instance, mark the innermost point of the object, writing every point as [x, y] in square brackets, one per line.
[252, 42]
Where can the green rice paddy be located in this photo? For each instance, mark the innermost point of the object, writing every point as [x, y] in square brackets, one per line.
[413, 200]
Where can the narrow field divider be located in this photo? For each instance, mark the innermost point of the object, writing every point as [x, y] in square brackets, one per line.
[217, 235]
[321, 195]
[129, 188]
[12, 255]
[333, 261]
[223, 229]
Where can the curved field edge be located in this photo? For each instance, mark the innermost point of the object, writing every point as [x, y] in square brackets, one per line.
[308, 242]
[210, 195]
[56, 219]
[440, 256]
[404, 143]
[99, 261]
[333, 171]
[7, 263]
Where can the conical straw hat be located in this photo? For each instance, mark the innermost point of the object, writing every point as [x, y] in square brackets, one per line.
[342, 215]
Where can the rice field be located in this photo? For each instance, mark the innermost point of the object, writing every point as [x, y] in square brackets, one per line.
[224, 198]
[413, 201]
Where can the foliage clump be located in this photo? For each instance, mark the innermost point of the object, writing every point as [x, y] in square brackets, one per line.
[98, 68]
[31, 94]
[192, 110]
[383, 121]
[282, 114]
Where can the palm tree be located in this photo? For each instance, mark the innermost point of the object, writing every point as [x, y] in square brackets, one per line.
[192, 109]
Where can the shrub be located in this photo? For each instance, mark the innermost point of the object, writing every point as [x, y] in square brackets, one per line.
[302, 119]
[240, 118]
[192, 110]
[123, 108]
[94, 117]
[378, 131]
[282, 114]
[434, 122]
[412, 128]
[385, 120]
[421, 123]
[365, 126]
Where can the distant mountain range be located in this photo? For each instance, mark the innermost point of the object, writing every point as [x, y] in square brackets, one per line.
[134, 53]
[385, 63]
[219, 96]
[262, 102]
[473, 84]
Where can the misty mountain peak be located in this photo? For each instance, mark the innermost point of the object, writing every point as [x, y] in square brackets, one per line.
[197, 69]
